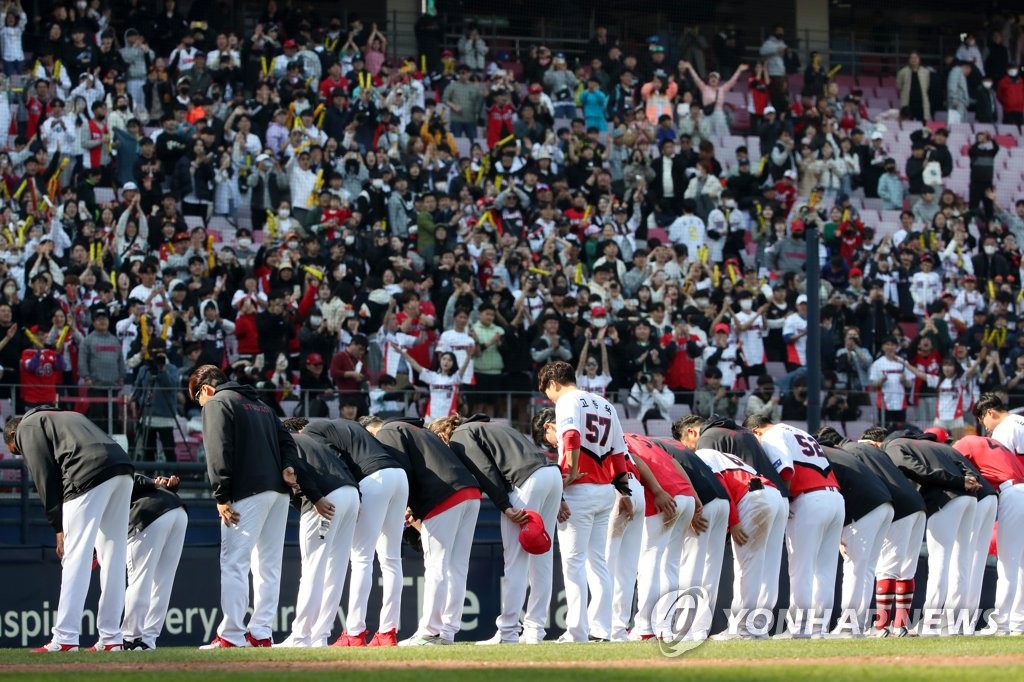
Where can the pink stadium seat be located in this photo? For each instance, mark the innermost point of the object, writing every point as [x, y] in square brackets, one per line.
[658, 233]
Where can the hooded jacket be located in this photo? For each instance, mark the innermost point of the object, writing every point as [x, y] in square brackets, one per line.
[726, 436]
[149, 503]
[863, 490]
[68, 455]
[906, 500]
[705, 483]
[247, 448]
[362, 453]
[498, 456]
[435, 472]
[325, 471]
[939, 471]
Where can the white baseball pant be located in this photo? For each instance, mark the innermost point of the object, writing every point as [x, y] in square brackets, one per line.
[622, 551]
[701, 562]
[96, 520]
[385, 496]
[447, 542]
[812, 541]
[255, 543]
[949, 540]
[582, 540]
[769, 595]
[1007, 616]
[862, 545]
[901, 548]
[153, 556]
[541, 492]
[324, 565]
[659, 566]
[762, 515]
[981, 538]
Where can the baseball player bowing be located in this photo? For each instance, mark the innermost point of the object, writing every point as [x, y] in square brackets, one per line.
[591, 454]
[1004, 471]
[757, 518]
[84, 480]
[663, 531]
[384, 493]
[948, 491]
[1005, 428]
[156, 534]
[815, 523]
[901, 547]
[249, 457]
[327, 522]
[726, 436]
[445, 497]
[704, 540]
[519, 478]
[869, 513]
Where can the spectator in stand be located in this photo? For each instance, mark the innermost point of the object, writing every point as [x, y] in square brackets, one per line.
[773, 51]
[958, 96]
[347, 368]
[1010, 93]
[914, 82]
[713, 398]
[890, 186]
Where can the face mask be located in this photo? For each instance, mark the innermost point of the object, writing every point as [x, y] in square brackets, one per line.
[80, 5]
[293, 244]
[702, 302]
[10, 291]
[283, 214]
[747, 304]
[315, 320]
[572, 317]
[1012, 73]
[244, 243]
[986, 84]
[350, 240]
[990, 250]
[599, 322]
[378, 183]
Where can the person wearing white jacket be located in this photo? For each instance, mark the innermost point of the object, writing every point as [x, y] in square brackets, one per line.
[925, 286]
[651, 397]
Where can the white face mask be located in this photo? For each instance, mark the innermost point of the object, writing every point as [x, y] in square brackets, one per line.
[315, 320]
[10, 291]
[990, 250]
[350, 240]
[702, 302]
[572, 317]
[283, 214]
[599, 322]
[1012, 73]
[730, 203]
[293, 244]
[986, 84]
[747, 303]
[378, 183]
[244, 243]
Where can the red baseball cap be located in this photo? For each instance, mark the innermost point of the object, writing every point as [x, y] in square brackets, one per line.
[536, 87]
[314, 359]
[721, 328]
[940, 434]
[856, 272]
[288, 44]
[599, 311]
[532, 536]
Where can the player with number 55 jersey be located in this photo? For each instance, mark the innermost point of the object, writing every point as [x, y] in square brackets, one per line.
[591, 452]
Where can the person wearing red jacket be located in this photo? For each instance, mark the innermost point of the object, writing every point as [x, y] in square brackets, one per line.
[500, 117]
[1005, 472]
[1010, 93]
[662, 543]
[245, 330]
[335, 80]
[41, 370]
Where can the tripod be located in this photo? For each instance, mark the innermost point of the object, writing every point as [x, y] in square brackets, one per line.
[145, 428]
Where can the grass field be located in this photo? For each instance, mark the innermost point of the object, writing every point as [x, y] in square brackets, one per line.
[951, 659]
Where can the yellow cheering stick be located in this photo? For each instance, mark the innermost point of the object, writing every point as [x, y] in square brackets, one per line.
[167, 327]
[716, 276]
[505, 140]
[834, 70]
[21, 189]
[991, 290]
[702, 253]
[33, 339]
[272, 224]
[316, 188]
[578, 278]
[209, 252]
[730, 269]
[23, 229]
[960, 259]
[846, 215]
[423, 64]
[113, 280]
[497, 183]
[63, 336]
[313, 272]
[144, 334]
[264, 66]
[545, 273]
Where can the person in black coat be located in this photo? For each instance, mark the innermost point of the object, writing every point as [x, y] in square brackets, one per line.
[675, 166]
[990, 263]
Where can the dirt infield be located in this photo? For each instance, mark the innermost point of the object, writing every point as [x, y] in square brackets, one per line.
[213, 666]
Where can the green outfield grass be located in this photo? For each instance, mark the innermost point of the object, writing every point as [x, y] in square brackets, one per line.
[837, 661]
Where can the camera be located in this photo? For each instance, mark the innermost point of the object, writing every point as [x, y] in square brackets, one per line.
[156, 362]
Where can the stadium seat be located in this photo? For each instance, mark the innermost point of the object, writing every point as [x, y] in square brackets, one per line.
[104, 195]
[659, 428]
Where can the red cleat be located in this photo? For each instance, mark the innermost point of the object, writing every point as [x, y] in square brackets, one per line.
[258, 643]
[389, 638]
[54, 648]
[351, 640]
[219, 643]
[106, 647]
[644, 638]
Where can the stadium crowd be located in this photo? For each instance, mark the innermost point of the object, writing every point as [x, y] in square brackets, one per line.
[328, 223]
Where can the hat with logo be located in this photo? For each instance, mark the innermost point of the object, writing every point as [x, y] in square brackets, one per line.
[532, 535]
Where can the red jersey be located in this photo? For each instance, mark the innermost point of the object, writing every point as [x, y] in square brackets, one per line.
[499, 123]
[328, 85]
[665, 469]
[995, 462]
[41, 371]
[735, 475]
[421, 351]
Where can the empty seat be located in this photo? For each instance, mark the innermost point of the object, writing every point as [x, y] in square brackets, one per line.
[659, 428]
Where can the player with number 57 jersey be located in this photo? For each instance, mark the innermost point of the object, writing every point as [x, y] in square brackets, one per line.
[591, 422]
